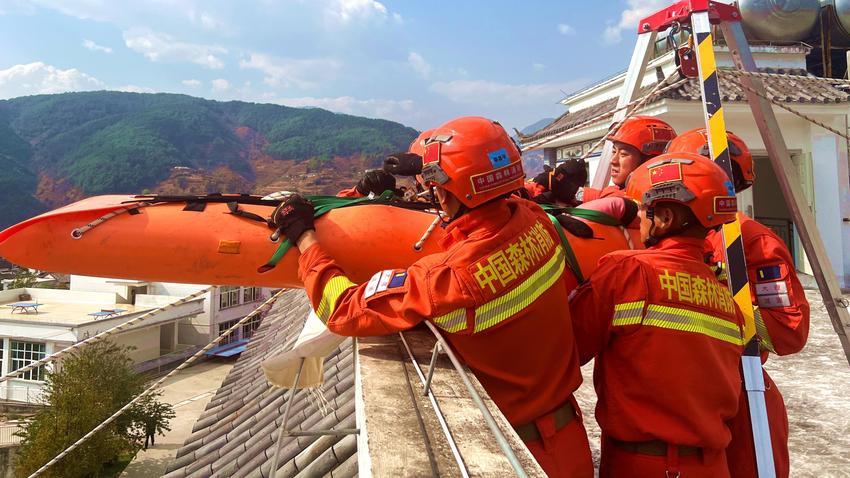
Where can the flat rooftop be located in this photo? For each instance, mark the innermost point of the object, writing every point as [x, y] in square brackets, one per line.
[63, 313]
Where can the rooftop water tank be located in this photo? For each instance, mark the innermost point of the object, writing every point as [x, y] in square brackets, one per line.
[781, 20]
[839, 20]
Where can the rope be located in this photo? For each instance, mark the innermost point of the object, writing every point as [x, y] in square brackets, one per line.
[156, 385]
[427, 234]
[629, 113]
[78, 232]
[52, 357]
[608, 114]
[788, 109]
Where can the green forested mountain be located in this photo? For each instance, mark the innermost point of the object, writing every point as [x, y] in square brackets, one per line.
[111, 142]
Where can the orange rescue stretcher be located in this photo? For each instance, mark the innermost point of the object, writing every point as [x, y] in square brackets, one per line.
[226, 240]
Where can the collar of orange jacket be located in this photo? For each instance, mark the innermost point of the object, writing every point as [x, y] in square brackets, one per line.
[484, 220]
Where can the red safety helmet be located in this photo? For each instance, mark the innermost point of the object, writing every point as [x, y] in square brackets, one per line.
[696, 141]
[647, 134]
[689, 179]
[474, 159]
[418, 144]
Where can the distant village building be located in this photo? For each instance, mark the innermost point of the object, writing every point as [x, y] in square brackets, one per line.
[821, 157]
[35, 323]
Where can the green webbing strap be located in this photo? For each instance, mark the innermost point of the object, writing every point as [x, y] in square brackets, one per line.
[589, 214]
[321, 206]
[572, 261]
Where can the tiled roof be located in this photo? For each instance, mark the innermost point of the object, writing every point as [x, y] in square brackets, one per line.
[785, 85]
[235, 435]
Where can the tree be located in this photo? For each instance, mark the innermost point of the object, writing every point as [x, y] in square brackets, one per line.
[88, 387]
[23, 278]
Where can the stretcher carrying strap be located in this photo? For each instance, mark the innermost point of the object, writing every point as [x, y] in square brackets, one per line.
[324, 204]
[570, 256]
[587, 214]
[234, 209]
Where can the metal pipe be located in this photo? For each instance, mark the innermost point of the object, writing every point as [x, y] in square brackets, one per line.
[488, 417]
[282, 433]
[431, 368]
[440, 418]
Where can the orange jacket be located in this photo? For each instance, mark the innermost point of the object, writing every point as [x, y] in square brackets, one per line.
[667, 340]
[498, 291]
[590, 194]
[782, 318]
[351, 192]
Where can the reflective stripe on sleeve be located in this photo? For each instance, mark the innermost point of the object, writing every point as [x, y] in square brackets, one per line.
[764, 336]
[521, 296]
[695, 322]
[454, 321]
[628, 313]
[330, 294]
[511, 303]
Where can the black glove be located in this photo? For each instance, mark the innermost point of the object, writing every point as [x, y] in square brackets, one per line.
[403, 164]
[567, 178]
[375, 181]
[575, 227]
[543, 178]
[294, 217]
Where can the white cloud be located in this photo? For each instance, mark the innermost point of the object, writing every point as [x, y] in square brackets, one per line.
[636, 11]
[489, 93]
[191, 83]
[287, 72]
[398, 110]
[220, 85]
[40, 78]
[345, 11]
[419, 64]
[538, 66]
[206, 20]
[162, 47]
[565, 29]
[95, 47]
[135, 89]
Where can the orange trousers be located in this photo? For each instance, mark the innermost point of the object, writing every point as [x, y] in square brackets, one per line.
[619, 463]
[563, 453]
[741, 453]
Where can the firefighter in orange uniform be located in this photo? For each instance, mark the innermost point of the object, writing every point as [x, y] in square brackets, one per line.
[782, 311]
[497, 291]
[666, 334]
[638, 139]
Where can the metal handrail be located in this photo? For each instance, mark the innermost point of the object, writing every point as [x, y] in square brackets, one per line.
[476, 397]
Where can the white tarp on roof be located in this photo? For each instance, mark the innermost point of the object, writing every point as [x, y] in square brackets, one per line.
[312, 346]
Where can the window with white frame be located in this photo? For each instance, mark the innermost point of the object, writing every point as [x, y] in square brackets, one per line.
[25, 353]
[251, 327]
[228, 296]
[250, 294]
[2, 345]
[232, 336]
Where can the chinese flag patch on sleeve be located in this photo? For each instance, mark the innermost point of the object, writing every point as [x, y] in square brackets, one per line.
[665, 173]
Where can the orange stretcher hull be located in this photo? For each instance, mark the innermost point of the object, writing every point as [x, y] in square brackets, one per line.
[165, 243]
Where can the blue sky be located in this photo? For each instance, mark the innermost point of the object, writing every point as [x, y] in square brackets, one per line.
[416, 62]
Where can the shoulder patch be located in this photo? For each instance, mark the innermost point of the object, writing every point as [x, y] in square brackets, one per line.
[381, 281]
[768, 273]
[398, 279]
